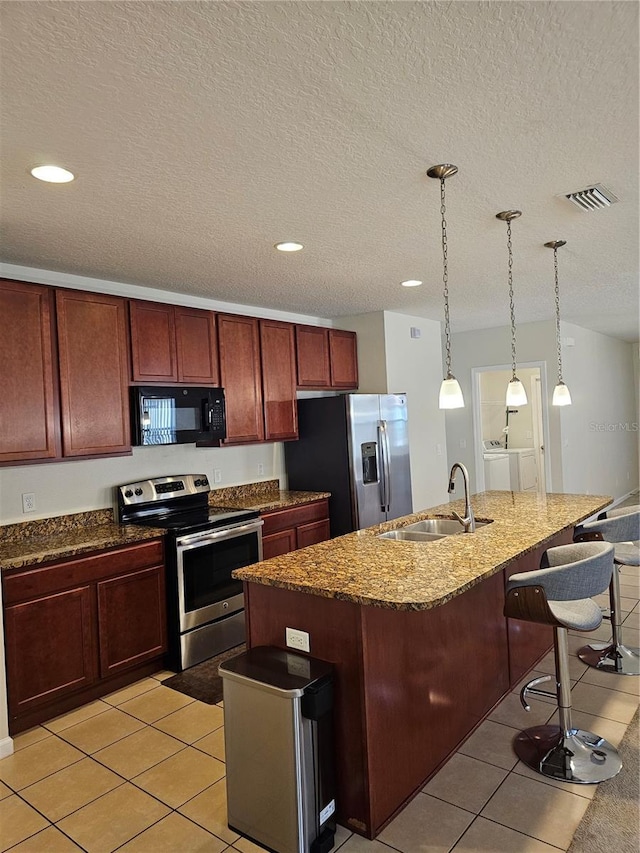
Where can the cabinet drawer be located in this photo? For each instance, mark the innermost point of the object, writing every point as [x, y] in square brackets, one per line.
[284, 518]
[311, 534]
[24, 584]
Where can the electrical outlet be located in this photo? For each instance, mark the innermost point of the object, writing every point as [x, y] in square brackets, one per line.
[28, 502]
[217, 475]
[463, 443]
[297, 639]
[260, 468]
[439, 449]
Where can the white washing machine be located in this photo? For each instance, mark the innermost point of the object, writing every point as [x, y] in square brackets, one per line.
[497, 467]
[523, 466]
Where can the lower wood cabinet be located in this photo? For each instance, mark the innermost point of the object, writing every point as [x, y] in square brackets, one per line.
[289, 529]
[131, 619]
[78, 629]
[50, 648]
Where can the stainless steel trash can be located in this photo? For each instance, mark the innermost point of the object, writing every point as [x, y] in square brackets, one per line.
[279, 749]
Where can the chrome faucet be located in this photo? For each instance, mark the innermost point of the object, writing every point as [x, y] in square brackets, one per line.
[469, 521]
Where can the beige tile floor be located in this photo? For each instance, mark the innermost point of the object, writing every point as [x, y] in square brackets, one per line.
[142, 771]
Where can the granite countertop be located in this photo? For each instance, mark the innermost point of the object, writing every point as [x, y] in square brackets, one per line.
[33, 542]
[265, 496]
[405, 575]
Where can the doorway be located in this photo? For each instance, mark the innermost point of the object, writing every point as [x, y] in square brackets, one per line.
[511, 440]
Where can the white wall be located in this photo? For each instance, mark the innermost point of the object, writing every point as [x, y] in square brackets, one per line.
[600, 429]
[74, 486]
[391, 361]
[492, 348]
[599, 371]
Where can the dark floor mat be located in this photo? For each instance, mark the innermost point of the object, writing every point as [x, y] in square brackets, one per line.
[202, 680]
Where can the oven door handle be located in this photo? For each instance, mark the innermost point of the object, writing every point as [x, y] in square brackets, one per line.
[219, 535]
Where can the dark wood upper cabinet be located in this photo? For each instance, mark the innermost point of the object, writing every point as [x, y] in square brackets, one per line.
[240, 375]
[153, 342]
[93, 359]
[29, 423]
[170, 344]
[343, 358]
[312, 354]
[326, 358]
[277, 344]
[196, 346]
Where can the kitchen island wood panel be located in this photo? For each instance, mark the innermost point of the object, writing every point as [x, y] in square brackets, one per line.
[417, 635]
[409, 685]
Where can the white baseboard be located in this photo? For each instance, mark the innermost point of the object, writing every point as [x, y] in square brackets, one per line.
[6, 747]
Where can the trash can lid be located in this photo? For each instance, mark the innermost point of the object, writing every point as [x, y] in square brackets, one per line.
[276, 667]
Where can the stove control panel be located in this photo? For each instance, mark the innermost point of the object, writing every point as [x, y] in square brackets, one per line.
[161, 488]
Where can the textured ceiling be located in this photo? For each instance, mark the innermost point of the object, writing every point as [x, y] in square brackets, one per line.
[204, 132]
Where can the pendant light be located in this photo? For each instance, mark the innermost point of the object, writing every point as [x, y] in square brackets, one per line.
[561, 395]
[450, 391]
[516, 395]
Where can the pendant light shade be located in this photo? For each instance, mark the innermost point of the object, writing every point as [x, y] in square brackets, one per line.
[450, 391]
[516, 395]
[451, 394]
[561, 395]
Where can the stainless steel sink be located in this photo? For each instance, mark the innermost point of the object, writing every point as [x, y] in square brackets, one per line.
[443, 526]
[428, 530]
[406, 535]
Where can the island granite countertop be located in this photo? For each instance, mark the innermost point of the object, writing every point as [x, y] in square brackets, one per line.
[404, 575]
[31, 543]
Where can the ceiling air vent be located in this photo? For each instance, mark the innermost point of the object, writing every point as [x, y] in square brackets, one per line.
[592, 198]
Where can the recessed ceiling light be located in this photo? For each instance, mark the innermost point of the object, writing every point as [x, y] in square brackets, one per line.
[52, 174]
[412, 282]
[289, 246]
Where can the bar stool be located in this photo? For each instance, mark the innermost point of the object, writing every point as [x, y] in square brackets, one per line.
[620, 528]
[560, 595]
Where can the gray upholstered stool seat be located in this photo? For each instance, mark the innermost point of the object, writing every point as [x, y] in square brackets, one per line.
[622, 528]
[559, 594]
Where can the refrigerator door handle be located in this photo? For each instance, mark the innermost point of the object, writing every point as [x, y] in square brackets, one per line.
[381, 469]
[383, 438]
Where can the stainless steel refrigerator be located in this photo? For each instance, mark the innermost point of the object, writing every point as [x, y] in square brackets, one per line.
[355, 446]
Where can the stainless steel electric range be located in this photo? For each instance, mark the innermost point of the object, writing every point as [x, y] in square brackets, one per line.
[204, 544]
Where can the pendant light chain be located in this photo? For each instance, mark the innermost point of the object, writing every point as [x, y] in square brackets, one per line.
[511, 305]
[445, 279]
[558, 343]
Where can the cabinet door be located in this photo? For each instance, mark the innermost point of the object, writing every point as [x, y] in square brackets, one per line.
[197, 347]
[311, 534]
[277, 344]
[49, 647]
[29, 417]
[312, 354]
[277, 544]
[92, 340]
[132, 621]
[343, 358]
[153, 342]
[240, 375]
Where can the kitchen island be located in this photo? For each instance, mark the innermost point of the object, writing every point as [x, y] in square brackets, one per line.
[417, 635]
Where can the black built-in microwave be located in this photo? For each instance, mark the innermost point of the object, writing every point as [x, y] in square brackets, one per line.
[178, 414]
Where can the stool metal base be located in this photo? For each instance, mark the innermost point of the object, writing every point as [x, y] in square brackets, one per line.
[609, 658]
[574, 756]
